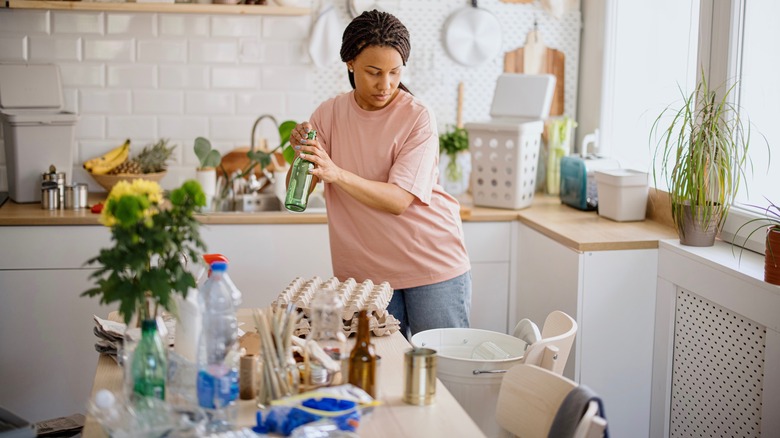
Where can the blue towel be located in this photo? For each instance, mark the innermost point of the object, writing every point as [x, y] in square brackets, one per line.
[571, 411]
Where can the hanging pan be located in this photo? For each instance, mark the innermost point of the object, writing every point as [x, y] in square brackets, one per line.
[472, 35]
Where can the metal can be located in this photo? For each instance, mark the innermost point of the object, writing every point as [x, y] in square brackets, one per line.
[50, 197]
[420, 376]
[59, 178]
[76, 196]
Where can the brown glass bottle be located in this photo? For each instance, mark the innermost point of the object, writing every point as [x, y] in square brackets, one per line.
[362, 359]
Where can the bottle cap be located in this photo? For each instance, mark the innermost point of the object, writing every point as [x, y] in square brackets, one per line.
[219, 266]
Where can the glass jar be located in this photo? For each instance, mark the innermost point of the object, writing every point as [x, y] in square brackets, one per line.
[326, 344]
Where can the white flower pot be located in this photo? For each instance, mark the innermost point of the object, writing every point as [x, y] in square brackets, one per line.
[208, 182]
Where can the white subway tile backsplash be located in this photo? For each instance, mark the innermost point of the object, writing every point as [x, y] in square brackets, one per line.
[182, 127]
[235, 77]
[197, 102]
[300, 104]
[237, 129]
[184, 77]
[276, 53]
[131, 24]
[24, 21]
[132, 75]
[162, 50]
[260, 102]
[183, 25]
[158, 102]
[13, 48]
[235, 25]
[61, 48]
[82, 75]
[77, 22]
[286, 28]
[114, 50]
[106, 102]
[137, 128]
[285, 78]
[91, 127]
[217, 51]
[70, 100]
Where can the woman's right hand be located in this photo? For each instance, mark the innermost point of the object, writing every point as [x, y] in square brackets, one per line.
[300, 132]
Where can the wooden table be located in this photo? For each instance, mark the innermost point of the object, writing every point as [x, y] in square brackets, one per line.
[393, 418]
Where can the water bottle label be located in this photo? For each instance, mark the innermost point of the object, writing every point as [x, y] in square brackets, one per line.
[224, 385]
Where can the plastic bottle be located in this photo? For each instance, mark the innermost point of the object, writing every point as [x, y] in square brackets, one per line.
[218, 356]
[300, 182]
[325, 346]
[150, 363]
[362, 359]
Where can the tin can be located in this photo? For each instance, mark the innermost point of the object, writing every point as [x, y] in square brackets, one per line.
[419, 376]
[50, 197]
[247, 377]
[75, 196]
[59, 178]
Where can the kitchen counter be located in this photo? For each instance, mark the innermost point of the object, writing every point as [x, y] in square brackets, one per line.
[579, 230]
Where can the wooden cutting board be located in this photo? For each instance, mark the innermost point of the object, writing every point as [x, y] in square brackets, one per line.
[553, 63]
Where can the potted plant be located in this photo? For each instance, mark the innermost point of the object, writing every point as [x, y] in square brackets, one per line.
[455, 161]
[143, 270]
[771, 224]
[206, 172]
[703, 154]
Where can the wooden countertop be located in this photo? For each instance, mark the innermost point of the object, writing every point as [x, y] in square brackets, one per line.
[579, 230]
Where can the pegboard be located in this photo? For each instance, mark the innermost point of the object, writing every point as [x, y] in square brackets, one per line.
[718, 369]
[433, 76]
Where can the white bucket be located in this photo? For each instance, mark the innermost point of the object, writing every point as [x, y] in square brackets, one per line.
[473, 382]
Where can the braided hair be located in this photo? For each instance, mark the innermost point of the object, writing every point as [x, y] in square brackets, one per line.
[374, 28]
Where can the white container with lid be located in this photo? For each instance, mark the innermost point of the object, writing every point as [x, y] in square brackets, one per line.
[622, 194]
[36, 131]
[505, 149]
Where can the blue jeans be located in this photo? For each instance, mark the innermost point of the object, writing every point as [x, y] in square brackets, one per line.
[439, 305]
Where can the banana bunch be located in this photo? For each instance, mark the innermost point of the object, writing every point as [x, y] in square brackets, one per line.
[103, 164]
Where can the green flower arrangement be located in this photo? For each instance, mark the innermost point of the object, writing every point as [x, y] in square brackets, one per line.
[153, 235]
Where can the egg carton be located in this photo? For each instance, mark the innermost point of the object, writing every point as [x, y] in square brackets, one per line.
[354, 296]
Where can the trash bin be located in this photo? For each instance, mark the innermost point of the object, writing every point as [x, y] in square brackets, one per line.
[36, 131]
[471, 363]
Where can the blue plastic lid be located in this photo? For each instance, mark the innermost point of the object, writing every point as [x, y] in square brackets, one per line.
[218, 266]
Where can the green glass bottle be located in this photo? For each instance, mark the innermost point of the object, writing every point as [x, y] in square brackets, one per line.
[150, 363]
[300, 182]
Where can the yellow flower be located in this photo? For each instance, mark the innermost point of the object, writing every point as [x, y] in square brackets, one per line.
[148, 195]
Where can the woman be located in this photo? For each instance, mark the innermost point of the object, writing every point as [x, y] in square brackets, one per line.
[377, 152]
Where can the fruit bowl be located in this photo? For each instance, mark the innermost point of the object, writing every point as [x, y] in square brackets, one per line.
[109, 181]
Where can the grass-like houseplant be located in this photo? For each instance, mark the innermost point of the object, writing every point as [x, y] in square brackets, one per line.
[770, 223]
[702, 155]
[452, 143]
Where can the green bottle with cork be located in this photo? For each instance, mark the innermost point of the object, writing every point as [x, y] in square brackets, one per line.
[300, 182]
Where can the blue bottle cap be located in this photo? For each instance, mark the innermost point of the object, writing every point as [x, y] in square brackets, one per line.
[218, 266]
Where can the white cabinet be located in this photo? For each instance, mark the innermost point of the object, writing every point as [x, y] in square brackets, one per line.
[611, 294]
[489, 248]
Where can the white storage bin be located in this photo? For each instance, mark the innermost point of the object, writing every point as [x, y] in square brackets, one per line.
[36, 132]
[622, 194]
[505, 149]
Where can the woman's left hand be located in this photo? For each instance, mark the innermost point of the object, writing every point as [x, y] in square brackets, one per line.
[324, 168]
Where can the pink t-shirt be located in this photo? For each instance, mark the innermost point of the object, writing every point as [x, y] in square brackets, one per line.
[398, 144]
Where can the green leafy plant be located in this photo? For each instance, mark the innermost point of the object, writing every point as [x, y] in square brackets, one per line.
[702, 153]
[770, 222]
[451, 142]
[207, 157]
[151, 236]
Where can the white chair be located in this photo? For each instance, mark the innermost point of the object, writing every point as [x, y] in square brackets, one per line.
[552, 351]
[529, 399]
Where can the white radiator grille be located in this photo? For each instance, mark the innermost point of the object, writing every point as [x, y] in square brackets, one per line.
[717, 372]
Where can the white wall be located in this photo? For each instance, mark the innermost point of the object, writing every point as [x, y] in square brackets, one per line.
[148, 76]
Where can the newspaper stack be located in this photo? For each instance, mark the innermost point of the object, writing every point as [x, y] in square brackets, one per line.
[111, 334]
[354, 296]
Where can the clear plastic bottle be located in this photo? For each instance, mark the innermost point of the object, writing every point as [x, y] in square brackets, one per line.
[300, 182]
[218, 356]
[326, 344]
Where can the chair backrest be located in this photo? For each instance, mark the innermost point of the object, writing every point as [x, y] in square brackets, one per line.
[552, 351]
[528, 401]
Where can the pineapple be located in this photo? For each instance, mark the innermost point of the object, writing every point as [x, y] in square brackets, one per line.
[153, 157]
[127, 166]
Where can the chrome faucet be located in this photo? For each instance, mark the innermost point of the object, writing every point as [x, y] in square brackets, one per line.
[254, 127]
